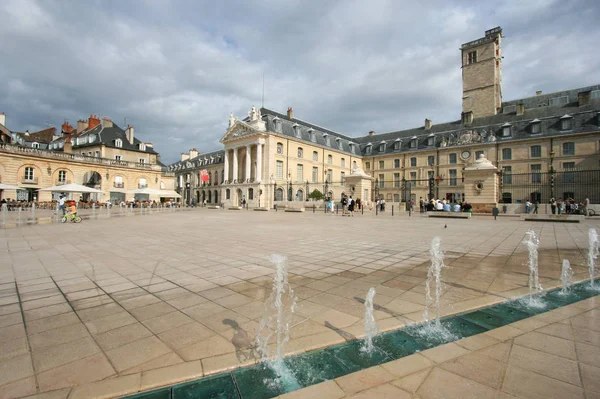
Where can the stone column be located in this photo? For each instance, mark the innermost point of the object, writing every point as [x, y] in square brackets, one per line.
[259, 162]
[226, 165]
[235, 165]
[248, 164]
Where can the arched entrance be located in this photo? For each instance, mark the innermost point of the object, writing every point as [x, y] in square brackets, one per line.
[279, 194]
[300, 195]
[203, 195]
[209, 197]
[240, 196]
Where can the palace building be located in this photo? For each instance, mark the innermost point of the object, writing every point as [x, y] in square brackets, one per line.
[545, 145]
[97, 153]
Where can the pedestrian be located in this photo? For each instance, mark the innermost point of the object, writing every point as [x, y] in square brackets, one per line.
[587, 206]
[351, 204]
[535, 207]
[61, 204]
[421, 205]
[553, 205]
[527, 206]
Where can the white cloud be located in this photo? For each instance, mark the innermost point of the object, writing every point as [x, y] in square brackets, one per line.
[177, 69]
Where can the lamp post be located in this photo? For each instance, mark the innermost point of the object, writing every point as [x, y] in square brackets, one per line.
[289, 186]
[326, 193]
[376, 189]
[307, 188]
[188, 193]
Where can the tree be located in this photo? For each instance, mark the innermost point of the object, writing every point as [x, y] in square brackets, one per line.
[316, 195]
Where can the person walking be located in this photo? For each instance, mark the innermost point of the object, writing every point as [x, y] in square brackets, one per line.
[535, 207]
[527, 206]
[421, 205]
[553, 205]
[61, 204]
[351, 204]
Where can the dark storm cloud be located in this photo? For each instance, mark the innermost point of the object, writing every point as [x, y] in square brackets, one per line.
[175, 69]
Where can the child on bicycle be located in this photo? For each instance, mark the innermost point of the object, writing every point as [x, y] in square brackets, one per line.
[73, 210]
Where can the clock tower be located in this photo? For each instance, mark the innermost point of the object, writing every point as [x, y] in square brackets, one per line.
[482, 75]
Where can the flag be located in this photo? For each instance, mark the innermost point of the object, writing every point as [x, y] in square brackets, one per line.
[204, 176]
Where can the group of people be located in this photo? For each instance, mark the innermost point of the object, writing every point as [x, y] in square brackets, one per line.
[443, 205]
[568, 206]
[64, 204]
[349, 205]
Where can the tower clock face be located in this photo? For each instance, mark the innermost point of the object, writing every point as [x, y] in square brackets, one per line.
[465, 154]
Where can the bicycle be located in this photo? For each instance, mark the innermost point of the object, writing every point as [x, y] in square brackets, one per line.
[74, 219]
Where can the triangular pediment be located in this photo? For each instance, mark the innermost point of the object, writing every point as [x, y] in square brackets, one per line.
[237, 130]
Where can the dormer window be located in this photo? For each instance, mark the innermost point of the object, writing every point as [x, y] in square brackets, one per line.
[312, 135]
[535, 127]
[35, 145]
[382, 146]
[431, 140]
[352, 148]
[506, 130]
[142, 146]
[566, 122]
[118, 143]
[369, 149]
[297, 131]
[277, 124]
[326, 138]
[339, 142]
[397, 144]
[413, 142]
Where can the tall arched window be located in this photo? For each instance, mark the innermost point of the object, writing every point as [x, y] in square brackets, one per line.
[279, 194]
[300, 152]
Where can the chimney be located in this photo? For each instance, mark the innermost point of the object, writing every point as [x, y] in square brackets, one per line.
[3, 119]
[193, 153]
[538, 93]
[290, 113]
[467, 118]
[372, 133]
[584, 98]
[107, 122]
[66, 128]
[129, 134]
[184, 156]
[93, 121]
[427, 124]
[81, 126]
[68, 148]
[520, 109]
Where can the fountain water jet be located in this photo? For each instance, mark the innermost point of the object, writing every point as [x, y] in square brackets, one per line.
[277, 318]
[532, 241]
[371, 328]
[593, 252]
[566, 277]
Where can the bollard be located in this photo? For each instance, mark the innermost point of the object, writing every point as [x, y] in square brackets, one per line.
[20, 209]
[313, 208]
[94, 209]
[33, 211]
[376, 210]
[362, 210]
[392, 210]
[336, 209]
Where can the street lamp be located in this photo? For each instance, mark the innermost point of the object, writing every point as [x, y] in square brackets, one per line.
[289, 186]
[326, 193]
[376, 189]
[307, 188]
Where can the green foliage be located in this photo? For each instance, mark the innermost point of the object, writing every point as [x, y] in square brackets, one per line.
[316, 195]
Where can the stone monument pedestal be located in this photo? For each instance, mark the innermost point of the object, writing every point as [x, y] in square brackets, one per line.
[359, 184]
[481, 185]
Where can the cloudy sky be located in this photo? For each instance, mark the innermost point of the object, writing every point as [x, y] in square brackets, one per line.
[175, 69]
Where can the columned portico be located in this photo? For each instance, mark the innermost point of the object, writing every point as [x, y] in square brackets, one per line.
[226, 169]
[248, 164]
[259, 160]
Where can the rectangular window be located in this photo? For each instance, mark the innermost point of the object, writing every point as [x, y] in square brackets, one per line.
[62, 175]
[381, 181]
[329, 175]
[368, 165]
[315, 175]
[536, 175]
[343, 162]
[117, 157]
[536, 151]
[558, 101]
[506, 131]
[142, 161]
[566, 124]
[569, 174]
[413, 177]
[315, 156]
[472, 57]
[343, 177]
[97, 154]
[413, 162]
[453, 175]
[507, 175]
[300, 173]
[506, 154]
[536, 128]
[569, 148]
[28, 173]
[279, 170]
[329, 159]
[431, 160]
[478, 153]
[396, 163]
[381, 164]
[396, 180]
[452, 158]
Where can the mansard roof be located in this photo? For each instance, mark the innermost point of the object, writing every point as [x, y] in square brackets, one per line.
[337, 141]
[200, 161]
[106, 136]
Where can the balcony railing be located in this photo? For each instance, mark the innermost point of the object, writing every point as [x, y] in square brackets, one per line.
[29, 180]
[60, 182]
[15, 149]
[140, 185]
[119, 185]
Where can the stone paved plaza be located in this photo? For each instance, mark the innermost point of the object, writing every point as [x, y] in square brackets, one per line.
[113, 306]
